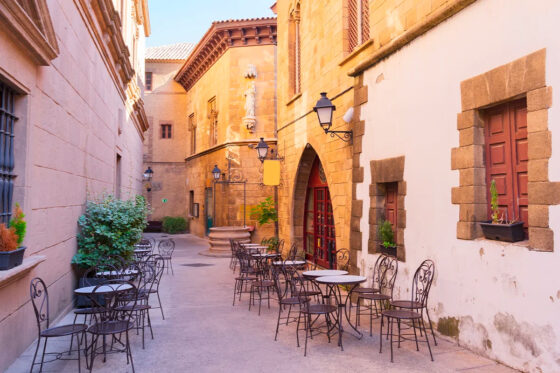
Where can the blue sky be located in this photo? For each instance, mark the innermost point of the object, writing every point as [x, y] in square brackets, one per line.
[175, 21]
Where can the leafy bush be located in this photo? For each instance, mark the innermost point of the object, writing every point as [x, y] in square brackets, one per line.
[271, 242]
[8, 238]
[386, 234]
[265, 211]
[109, 229]
[19, 224]
[174, 225]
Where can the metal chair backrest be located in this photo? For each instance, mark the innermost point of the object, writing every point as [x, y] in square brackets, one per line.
[40, 299]
[298, 286]
[123, 293]
[166, 248]
[245, 261]
[281, 282]
[377, 273]
[292, 253]
[389, 268]
[152, 271]
[422, 282]
[342, 259]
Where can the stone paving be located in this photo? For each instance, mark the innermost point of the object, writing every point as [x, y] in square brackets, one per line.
[202, 332]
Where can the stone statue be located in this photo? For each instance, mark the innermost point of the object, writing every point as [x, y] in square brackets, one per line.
[250, 100]
[250, 120]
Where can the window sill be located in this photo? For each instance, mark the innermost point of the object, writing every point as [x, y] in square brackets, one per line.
[11, 275]
[294, 98]
[355, 52]
[524, 243]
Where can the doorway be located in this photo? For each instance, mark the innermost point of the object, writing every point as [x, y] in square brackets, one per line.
[318, 230]
[209, 209]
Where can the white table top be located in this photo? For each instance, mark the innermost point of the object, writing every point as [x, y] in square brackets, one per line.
[142, 245]
[142, 250]
[325, 272]
[267, 255]
[118, 273]
[341, 280]
[103, 289]
[290, 262]
[250, 244]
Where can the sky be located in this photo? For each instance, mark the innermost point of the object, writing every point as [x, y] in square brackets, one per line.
[176, 21]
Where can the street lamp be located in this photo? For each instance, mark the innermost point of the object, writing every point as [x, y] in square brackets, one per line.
[216, 173]
[262, 149]
[324, 109]
[148, 174]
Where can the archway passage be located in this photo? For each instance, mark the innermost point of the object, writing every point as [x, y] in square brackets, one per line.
[318, 229]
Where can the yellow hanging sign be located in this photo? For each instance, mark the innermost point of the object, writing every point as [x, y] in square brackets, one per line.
[271, 172]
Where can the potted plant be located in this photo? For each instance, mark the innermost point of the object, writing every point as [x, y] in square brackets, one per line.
[499, 228]
[11, 238]
[387, 238]
[265, 212]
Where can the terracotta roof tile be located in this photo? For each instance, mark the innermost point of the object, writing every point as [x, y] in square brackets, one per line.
[179, 51]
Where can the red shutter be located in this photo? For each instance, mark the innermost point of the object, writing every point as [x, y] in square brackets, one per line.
[352, 24]
[365, 20]
[391, 204]
[506, 158]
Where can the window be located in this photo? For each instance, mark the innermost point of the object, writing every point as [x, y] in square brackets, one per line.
[148, 80]
[166, 131]
[191, 202]
[7, 123]
[118, 177]
[391, 204]
[192, 128]
[358, 23]
[294, 48]
[507, 158]
[213, 116]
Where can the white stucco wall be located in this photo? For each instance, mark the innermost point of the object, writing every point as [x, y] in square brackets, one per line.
[502, 293]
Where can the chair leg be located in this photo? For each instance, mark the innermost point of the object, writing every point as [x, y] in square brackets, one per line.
[93, 348]
[150, 323]
[72, 337]
[35, 356]
[427, 340]
[297, 328]
[391, 321]
[171, 265]
[129, 351]
[160, 306]
[278, 321]
[415, 337]
[43, 357]
[79, 353]
[307, 329]
[235, 291]
[381, 334]
[431, 328]
[399, 328]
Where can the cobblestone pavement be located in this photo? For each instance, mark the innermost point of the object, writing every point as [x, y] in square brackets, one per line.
[202, 332]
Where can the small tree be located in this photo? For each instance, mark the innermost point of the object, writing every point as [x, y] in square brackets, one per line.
[385, 232]
[265, 212]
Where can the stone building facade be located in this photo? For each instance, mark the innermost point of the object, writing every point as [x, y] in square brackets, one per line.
[229, 80]
[433, 85]
[166, 143]
[71, 80]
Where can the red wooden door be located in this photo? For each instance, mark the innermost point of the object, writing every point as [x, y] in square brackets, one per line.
[391, 205]
[506, 158]
[319, 231]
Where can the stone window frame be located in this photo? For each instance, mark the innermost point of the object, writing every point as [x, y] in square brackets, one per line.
[523, 77]
[161, 132]
[383, 171]
[356, 24]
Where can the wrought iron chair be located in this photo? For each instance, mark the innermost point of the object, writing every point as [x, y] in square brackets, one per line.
[388, 267]
[421, 285]
[40, 299]
[152, 281]
[342, 259]
[374, 288]
[262, 283]
[311, 313]
[286, 297]
[233, 261]
[165, 249]
[115, 320]
[408, 310]
[247, 273]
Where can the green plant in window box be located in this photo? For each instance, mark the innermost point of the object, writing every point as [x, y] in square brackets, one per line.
[499, 227]
[387, 237]
[265, 212]
[11, 239]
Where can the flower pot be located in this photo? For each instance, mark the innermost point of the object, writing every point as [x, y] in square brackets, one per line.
[11, 259]
[389, 250]
[503, 232]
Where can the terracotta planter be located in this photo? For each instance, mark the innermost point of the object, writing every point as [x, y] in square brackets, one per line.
[503, 232]
[11, 259]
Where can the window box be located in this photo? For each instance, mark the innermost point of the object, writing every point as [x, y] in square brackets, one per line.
[503, 232]
[389, 250]
[11, 259]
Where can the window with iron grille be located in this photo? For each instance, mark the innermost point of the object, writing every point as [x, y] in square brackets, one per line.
[7, 122]
[166, 131]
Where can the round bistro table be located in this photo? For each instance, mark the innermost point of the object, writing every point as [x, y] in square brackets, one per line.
[289, 262]
[333, 287]
[103, 289]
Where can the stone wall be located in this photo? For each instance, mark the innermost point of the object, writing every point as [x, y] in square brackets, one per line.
[74, 118]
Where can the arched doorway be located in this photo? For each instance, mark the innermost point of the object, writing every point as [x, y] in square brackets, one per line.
[319, 239]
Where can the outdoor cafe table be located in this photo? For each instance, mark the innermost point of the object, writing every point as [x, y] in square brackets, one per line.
[289, 263]
[323, 272]
[265, 255]
[333, 283]
[103, 289]
[126, 272]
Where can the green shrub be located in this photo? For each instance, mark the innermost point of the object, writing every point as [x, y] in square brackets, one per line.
[174, 225]
[18, 224]
[385, 232]
[265, 211]
[109, 229]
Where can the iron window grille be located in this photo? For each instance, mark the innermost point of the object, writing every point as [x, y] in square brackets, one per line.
[7, 122]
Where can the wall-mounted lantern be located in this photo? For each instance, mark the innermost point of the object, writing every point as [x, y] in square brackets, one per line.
[262, 150]
[147, 176]
[216, 173]
[324, 109]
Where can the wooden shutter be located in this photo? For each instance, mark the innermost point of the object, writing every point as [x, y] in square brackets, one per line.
[391, 204]
[352, 24]
[506, 158]
[365, 20]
